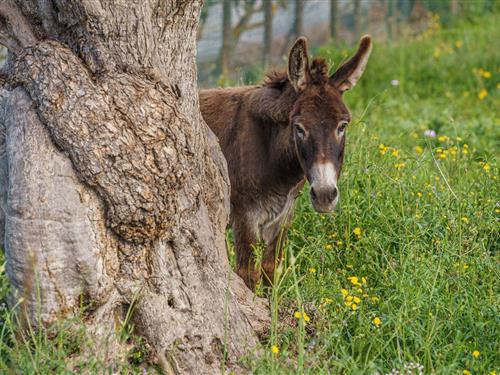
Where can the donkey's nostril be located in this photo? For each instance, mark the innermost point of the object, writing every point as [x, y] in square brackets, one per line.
[313, 194]
[333, 194]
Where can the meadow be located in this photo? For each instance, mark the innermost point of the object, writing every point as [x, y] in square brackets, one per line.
[404, 276]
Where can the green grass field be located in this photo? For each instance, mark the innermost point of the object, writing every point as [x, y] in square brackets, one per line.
[405, 274]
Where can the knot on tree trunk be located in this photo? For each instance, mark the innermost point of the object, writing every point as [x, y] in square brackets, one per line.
[124, 134]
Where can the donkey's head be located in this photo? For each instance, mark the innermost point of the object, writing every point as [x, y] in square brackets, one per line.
[319, 117]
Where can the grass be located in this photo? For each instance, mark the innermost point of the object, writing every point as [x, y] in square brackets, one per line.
[407, 270]
[418, 220]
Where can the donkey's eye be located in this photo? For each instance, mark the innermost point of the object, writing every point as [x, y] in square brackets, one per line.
[341, 128]
[299, 130]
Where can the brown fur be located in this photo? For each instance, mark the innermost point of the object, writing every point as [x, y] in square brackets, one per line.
[267, 164]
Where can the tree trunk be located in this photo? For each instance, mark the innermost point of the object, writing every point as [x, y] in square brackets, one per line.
[334, 19]
[227, 44]
[298, 22]
[268, 32]
[114, 190]
[357, 19]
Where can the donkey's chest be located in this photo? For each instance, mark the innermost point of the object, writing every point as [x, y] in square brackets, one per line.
[274, 213]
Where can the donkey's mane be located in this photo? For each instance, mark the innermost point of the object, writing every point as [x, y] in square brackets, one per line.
[279, 79]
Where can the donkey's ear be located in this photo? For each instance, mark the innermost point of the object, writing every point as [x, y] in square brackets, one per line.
[350, 72]
[298, 64]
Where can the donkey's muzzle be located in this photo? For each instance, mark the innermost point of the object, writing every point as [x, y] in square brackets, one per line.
[324, 199]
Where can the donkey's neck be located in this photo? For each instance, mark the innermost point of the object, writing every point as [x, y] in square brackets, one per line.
[272, 108]
[269, 103]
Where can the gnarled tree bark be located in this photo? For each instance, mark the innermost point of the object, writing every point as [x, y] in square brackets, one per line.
[113, 190]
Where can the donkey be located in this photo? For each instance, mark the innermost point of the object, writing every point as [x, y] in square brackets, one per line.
[275, 136]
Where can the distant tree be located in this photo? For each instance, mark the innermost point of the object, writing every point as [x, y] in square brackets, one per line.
[298, 20]
[334, 19]
[454, 7]
[204, 16]
[268, 32]
[357, 18]
[231, 34]
[225, 52]
[391, 17]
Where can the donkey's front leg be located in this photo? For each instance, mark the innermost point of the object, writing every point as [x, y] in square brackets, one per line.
[245, 239]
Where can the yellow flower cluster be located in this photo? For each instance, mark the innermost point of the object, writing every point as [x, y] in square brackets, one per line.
[399, 166]
[451, 152]
[383, 150]
[485, 166]
[353, 299]
[482, 73]
[300, 315]
[275, 349]
[357, 232]
[482, 94]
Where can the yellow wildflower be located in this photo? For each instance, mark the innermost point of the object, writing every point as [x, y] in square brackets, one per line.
[465, 219]
[482, 94]
[312, 270]
[382, 148]
[363, 280]
[459, 44]
[328, 247]
[349, 298]
[486, 167]
[344, 292]
[354, 306]
[297, 314]
[486, 74]
[306, 317]
[357, 231]
[442, 138]
[419, 194]
[377, 321]
[354, 280]
[339, 243]
[375, 299]
[356, 300]
[395, 153]
[275, 349]
[466, 372]
[419, 149]
[476, 353]
[465, 266]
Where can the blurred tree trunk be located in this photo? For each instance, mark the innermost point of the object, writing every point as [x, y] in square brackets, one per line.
[454, 7]
[268, 32]
[114, 190]
[357, 18]
[391, 18]
[298, 20]
[334, 19]
[227, 39]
